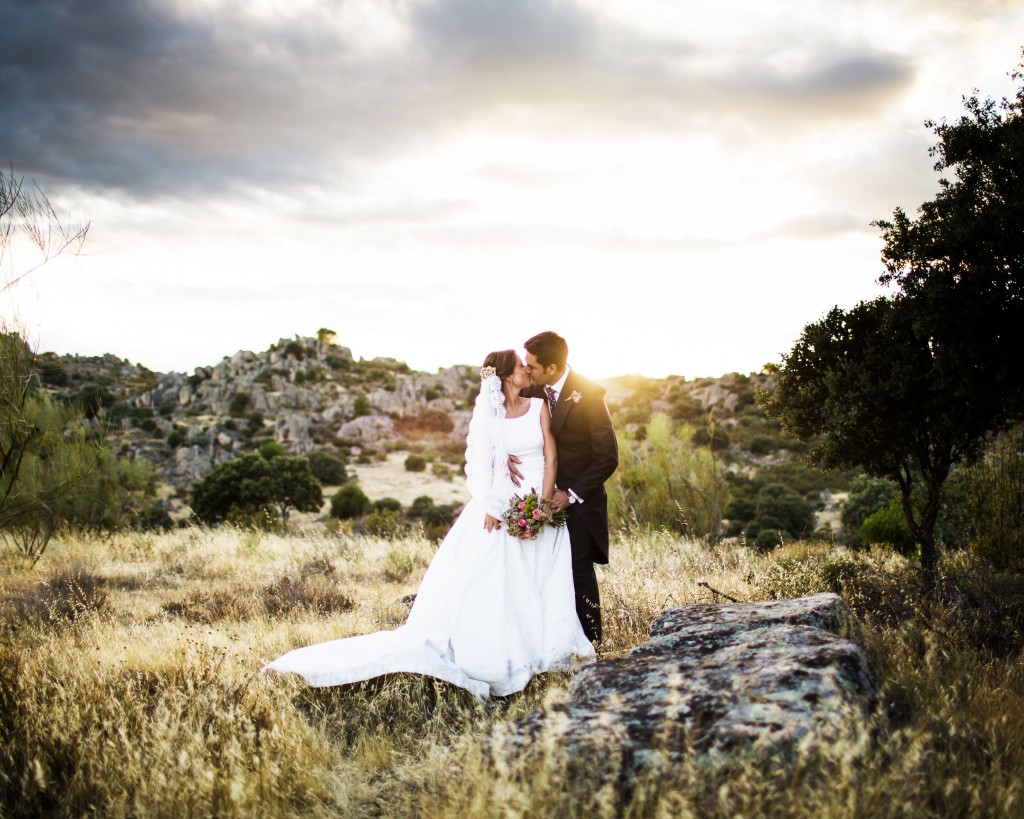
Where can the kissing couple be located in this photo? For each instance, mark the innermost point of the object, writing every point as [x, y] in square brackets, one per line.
[493, 609]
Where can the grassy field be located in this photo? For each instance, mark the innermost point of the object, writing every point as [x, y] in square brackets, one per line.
[130, 686]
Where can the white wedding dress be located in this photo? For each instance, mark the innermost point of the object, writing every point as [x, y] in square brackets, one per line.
[491, 611]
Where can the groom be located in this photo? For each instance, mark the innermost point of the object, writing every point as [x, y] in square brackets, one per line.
[587, 456]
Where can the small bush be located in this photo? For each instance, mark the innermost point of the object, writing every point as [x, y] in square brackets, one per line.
[415, 463]
[766, 540]
[239, 404]
[349, 502]
[889, 526]
[421, 506]
[388, 504]
[327, 468]
[383, 523]
[361, 406]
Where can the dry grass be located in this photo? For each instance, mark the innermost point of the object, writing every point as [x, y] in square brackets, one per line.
[130, 685]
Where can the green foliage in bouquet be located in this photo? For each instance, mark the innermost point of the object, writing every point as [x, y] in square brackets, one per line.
[528, 514]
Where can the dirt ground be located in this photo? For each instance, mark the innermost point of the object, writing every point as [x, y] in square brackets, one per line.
[390, 479]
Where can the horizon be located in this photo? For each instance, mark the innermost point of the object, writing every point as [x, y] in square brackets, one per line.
[429, 371]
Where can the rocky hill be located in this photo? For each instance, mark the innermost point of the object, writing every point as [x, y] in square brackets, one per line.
[310, 393]
[305, 393]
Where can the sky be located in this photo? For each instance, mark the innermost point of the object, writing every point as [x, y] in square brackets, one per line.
[675, 187]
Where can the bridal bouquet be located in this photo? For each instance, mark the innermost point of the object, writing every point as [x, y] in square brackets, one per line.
[528, 514]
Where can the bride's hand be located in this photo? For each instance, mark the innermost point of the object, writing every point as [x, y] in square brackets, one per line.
[513, 472]
[491, 523]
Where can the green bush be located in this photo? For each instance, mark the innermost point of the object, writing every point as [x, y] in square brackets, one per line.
[867, 496]
[361, 406]
[664, 481]
[328, 468]
[421, 506]
[388, 504]
[239, 404]
[763, 445]
[295, 349]
[766, 540]
[349, 502]
[415, 463]
[337, 362]
[252, 488]
[985, 505]
[269, 450]
[383, 523]
[889, 526]
[781, 509]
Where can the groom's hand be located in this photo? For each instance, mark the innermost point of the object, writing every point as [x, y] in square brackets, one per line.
[561, 499]
[517, 476]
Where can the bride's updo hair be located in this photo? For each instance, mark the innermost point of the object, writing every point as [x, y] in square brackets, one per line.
[503, 361]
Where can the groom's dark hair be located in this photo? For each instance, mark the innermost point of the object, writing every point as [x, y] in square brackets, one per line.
[549, 348]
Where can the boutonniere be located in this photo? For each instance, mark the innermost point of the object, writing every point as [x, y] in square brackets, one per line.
[575, 397]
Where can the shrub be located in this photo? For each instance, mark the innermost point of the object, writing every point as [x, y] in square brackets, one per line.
[383, 523]
[985, 504]
[665, 482]
[766, 540]
[250, 489]
[361, 406]
[295, 349]
[781, 509]
[327, 467]
[867, 496]
[389, 504]
[349, 502]
[53, 375]
[415, 463]
[175, 439]
[153, 519]
[889, 526]
[421, 506]
[239, 404]
[269, 450]
[763, 445]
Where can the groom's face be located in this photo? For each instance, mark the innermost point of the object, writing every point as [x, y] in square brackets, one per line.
[540, 375]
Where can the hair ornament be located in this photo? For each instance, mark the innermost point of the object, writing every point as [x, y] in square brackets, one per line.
[487, 372]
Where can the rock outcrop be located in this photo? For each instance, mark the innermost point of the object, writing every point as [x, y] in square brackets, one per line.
[711, 679]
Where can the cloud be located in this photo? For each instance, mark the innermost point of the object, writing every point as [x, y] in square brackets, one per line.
[152, 98]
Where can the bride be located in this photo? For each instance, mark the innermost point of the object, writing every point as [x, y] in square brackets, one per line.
[492, 610]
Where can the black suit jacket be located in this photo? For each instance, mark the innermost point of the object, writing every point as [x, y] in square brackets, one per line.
[587, 456]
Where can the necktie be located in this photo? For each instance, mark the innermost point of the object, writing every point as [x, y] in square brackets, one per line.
[552, 398]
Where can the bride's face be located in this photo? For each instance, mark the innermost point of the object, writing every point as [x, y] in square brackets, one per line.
[520, 377]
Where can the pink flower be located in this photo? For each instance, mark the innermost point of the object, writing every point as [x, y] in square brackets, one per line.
[521, 522]
[537, 514]
[576, 397]
[522, 505]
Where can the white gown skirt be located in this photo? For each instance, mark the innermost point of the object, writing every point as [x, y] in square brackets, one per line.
[491, 612]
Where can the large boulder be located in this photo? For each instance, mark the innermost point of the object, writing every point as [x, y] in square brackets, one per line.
[710, 680]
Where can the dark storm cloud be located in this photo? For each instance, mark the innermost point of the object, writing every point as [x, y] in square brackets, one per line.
[139, 96]
[134, 95]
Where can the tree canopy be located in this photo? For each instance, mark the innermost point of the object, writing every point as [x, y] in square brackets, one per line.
[909, 385]
[252, 488]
